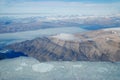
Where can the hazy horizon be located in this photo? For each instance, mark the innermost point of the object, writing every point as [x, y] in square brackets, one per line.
[60, 7]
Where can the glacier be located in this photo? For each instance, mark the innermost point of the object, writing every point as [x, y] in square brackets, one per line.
[28, 68]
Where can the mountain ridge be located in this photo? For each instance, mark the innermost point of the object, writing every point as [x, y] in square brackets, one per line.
[100, 45]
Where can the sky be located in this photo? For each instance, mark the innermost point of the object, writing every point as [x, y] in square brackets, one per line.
[60, 7]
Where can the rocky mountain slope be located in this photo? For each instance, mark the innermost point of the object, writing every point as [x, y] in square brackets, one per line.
[100, 45]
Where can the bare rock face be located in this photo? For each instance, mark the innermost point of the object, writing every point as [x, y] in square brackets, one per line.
[101, 45]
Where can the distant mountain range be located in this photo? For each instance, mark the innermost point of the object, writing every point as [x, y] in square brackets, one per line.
[99, 45]
[9, 25]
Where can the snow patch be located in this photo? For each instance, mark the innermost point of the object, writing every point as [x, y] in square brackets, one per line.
[42, 67]
[113, 32]
[65, 36]
[107, 38]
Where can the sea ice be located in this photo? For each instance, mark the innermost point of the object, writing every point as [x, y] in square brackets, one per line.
[26, 68]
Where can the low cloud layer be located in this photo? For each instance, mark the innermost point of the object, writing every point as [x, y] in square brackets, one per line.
[64, 36]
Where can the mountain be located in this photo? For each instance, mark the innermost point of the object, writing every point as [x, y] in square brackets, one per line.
[10, 25]
[99, 45]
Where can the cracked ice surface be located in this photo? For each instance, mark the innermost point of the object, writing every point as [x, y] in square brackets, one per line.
[25, 68]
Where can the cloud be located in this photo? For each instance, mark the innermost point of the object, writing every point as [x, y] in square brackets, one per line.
[64, 36]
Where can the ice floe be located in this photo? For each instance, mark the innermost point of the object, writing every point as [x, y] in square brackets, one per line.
[42, 67]
[18, 68]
